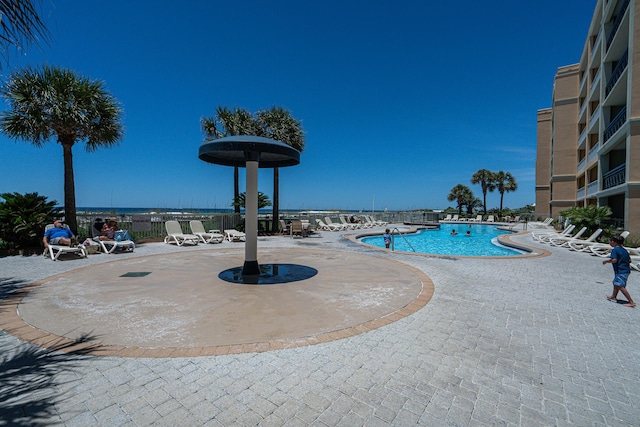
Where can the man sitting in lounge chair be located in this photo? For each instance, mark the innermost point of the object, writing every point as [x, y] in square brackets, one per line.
[58, 235]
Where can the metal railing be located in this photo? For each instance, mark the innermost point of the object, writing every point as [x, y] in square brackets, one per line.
[617, 72]
[393, 240]
[614, 177]
[615, 124]
[616, 24]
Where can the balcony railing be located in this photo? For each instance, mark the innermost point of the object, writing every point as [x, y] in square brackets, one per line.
[592, 188]
[615, 124]
[614, 177]
[617, 72]
[581, 193]
[617, 22]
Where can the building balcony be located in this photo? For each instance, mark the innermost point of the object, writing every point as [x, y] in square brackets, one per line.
[617, 72]
[592, 188]
[614, 177]
[615, 124]
[617, 22]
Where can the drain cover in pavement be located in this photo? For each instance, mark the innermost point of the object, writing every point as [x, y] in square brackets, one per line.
[136, 274]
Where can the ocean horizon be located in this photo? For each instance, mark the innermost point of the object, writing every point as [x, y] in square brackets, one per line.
[133, 211]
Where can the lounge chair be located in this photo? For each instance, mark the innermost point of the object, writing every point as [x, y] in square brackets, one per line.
[478, 219]
[175, 234]
[330, 223]
[54, 251]
[491, 219]
[347, 224]
[545, 234]
[205, 237]
[110, 246]
[324, 226]
[564, 242]
[577, 235]
[446, 218]
[454, 218]
[234, 235]
[378, 221]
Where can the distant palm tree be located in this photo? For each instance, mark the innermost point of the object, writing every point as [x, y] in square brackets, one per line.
[227, 122]
[263, 200]
[505, 182]
[460, 194]
[278, 124]
[472, 203]
[56, 102]
[485, 178]
[20, 25]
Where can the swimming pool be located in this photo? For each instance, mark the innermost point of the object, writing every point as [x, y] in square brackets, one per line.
[441, 242]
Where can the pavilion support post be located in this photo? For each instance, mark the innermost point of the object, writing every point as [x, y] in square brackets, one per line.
[251, 267]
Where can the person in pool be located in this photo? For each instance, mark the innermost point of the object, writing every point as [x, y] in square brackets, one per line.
[454, 232]
[387, 238]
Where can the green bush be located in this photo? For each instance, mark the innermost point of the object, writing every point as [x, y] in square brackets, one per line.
[592, 217]
[23, 218]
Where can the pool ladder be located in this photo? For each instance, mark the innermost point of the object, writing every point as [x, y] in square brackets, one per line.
[393, 239]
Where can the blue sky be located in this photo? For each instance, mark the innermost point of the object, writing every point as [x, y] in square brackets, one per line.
[400, 101]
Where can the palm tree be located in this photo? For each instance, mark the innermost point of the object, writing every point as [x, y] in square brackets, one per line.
[278, 124]
[263, 200]
[460, 193]
[485, 178]
[20, 25]
[504, 182]
[472, 203]
[227, 122]
[56, 102]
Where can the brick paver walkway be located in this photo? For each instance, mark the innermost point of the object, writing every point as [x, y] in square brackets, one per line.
[502, 342]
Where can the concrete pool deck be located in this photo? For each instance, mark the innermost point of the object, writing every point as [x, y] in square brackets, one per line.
[528, 341]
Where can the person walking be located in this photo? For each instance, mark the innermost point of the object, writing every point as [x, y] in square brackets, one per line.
[620, 260]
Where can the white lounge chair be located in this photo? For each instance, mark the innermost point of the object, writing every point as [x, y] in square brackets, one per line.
[447, 218]
[545, 234]
[491, 219]
[560, 239]
[378, 221]
[349, 225]
[331, 223]
[175, 234]
[110, 246]
[205, 237]
[324, 226]
[454, 218]
[54, 251]
[564, 242]
[234, 235]
[478, 219]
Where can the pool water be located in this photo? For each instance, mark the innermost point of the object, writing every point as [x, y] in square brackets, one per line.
[482, 241]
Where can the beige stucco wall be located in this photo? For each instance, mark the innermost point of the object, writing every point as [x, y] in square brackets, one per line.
[543, 163]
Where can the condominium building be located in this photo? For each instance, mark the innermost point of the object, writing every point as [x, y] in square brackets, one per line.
[588, 142]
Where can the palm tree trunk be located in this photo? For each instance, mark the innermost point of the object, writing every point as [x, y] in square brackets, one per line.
[69, 188]
[276, 200]
[236, 189]
[484, 201]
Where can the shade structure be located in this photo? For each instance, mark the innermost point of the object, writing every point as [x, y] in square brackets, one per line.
[250, 152]
[237, 150]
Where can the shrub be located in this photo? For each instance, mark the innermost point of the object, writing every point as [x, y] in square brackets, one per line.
[23, 218]
[592, 217]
